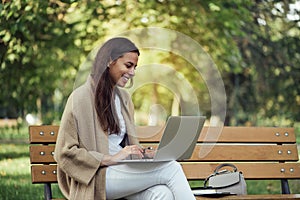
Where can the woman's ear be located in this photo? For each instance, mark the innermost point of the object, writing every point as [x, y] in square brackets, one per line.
[110, 63]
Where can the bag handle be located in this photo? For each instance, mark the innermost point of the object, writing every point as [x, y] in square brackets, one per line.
[217, 170]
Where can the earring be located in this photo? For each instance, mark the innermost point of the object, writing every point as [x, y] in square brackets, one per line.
[109, 63]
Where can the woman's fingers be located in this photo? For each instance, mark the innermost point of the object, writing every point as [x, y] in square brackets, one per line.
[130, 150]
[134, 150]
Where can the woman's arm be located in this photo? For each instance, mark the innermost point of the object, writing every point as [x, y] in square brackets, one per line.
[77, 162]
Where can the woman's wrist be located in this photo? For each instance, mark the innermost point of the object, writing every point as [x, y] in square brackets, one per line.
[107, 160]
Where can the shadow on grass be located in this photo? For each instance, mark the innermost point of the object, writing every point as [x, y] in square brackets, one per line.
[13, 151]
[13, 155]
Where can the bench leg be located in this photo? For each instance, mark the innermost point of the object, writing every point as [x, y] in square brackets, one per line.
[47, 191]
[285, 189]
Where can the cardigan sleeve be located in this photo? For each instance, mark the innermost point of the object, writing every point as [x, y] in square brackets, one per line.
[76, 161]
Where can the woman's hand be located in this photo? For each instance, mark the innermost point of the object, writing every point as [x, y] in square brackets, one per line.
[149, 152]
[121, 155]
[130, 150]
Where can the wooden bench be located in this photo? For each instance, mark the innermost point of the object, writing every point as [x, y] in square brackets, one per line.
[261, 153]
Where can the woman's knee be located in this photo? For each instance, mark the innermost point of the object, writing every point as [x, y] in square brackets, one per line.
[161, 192]
[175, 166]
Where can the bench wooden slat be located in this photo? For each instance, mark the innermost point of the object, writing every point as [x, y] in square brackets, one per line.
[41, 154]
[46, 134]
[204, 153]
[250, 170]
[154, 133]
[232, 152]
[228, 134]
[251, 134]
[199, 171]
[251, 152]
[43, 173]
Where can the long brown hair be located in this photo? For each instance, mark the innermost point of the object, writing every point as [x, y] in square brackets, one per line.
[105, 87]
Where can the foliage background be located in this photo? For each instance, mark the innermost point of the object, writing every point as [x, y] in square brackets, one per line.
[255, 45]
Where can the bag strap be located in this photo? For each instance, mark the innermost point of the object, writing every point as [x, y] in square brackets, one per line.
[225, 165]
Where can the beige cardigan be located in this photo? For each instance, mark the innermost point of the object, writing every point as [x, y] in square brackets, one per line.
[81, 144]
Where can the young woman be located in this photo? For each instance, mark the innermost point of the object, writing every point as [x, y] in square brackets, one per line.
[97, 129]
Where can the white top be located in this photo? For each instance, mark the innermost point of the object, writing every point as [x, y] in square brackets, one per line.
[114, 140]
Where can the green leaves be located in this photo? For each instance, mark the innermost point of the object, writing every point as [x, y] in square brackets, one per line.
[254, 45]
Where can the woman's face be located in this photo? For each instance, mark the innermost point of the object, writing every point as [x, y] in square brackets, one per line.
[123, 68]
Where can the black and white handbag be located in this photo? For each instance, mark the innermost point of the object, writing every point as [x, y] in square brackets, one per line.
[227, 181]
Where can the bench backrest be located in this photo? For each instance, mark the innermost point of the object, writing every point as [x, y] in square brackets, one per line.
[259, 152]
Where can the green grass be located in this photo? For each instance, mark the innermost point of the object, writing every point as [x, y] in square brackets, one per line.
[15, 175]
[15, 178]
[15, 133]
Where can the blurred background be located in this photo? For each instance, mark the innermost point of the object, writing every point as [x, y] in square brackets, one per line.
[254, 44]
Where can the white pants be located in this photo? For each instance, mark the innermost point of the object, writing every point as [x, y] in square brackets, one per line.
[148, 181]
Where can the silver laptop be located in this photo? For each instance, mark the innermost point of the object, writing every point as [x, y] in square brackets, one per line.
[178, 141]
